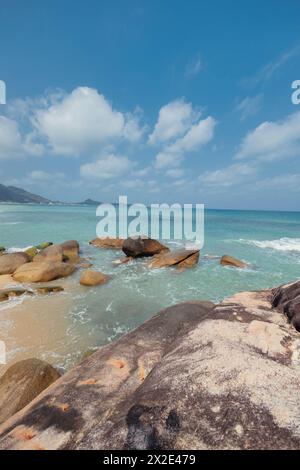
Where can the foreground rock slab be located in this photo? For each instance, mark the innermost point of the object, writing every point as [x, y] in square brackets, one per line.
[43, 271]
[21, 383]
[179, 258]
[108, 243]
[142, 246]
[10, 262]
[195, 376]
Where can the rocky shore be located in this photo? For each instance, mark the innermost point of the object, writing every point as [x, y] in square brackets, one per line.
[195, 376]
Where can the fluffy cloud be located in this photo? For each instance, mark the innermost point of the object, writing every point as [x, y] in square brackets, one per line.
[174, 120]
[196, 137]
[13, 144]
[82, 122]
[273, 140]
[232, 175]
[107, 167]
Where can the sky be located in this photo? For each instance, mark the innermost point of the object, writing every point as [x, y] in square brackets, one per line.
[160, 100]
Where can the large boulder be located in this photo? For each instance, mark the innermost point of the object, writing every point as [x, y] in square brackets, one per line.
[43, 271]
[21, 383]
[93, 278]
[108, 243]
[142, 246]
[195, 376]
[179, 258]
[12, 261]
[53, 254]
[227, 260]
[70, 250]
[287, 299]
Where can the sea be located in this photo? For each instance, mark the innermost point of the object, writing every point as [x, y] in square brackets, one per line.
[61, 327]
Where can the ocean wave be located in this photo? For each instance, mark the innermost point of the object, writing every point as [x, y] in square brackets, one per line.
[281, 244]
[11, 223]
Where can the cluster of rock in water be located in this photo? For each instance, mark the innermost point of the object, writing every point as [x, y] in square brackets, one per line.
[195, 376]
[48, 262]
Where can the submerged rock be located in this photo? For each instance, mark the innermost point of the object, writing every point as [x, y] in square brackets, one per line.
[93, 278]
[230, 261]
[12, 261]
[48, 289]
[21, 383]
[108, 243]
[195, 376]
[6, 294]
[179, 258]
[43, 271]
[142, 246]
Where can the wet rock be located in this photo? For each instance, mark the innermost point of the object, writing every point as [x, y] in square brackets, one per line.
[10, 262]
[82, 263]
[2, 249]
[21, 383]
[43, 271]
[234, 262]
[108, 243]
[136, 247]
[124, 260]
[6, 294]
[70, 250]
[93, 278]
[48, 289]
[53, 253]
[179, 258]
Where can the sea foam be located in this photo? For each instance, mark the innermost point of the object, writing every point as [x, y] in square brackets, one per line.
[281, 244]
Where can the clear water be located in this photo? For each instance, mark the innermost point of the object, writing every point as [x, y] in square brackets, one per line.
[268, 241]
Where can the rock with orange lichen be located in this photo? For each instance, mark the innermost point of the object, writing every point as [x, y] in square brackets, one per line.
[22, 382]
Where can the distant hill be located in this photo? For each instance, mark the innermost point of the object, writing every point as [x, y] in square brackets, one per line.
[18, 195]
[90, 202]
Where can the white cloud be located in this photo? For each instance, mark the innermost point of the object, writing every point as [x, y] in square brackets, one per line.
[196, 137]
[167, 160]
[273, 140]
[194, 67]
[174, 120]
[249, 106]
[13, 144]
[175, 173]
[110, 166]
[281, 182]
[83, 122]
[232, 175]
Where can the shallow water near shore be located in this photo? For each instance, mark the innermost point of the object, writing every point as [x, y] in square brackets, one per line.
[61, 327]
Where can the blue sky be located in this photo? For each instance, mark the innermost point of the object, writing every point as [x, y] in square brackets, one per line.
[161, 100]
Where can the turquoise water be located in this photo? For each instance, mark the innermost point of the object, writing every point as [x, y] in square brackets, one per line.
[268, 241]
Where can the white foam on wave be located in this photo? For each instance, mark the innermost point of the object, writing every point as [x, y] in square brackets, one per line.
[15, 249]
[281, 244]
[11, 223]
